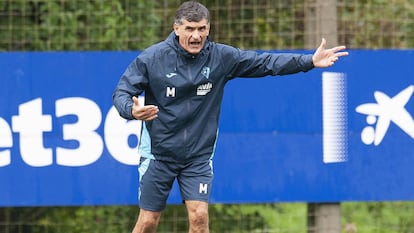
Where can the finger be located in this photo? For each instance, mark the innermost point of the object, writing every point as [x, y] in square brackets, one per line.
[151, 108]
[148, 111]
[322, 46]
[135, 99]
[341, 54]
[143, 116]
[151, 118]
[338, 48]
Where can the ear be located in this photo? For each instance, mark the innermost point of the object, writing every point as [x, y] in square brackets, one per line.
[176, 27]
[208, 29]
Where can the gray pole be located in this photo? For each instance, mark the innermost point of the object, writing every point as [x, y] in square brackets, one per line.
[321, 22]
[324, 218]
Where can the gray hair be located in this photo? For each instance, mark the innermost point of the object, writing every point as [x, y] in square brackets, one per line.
[192, 11]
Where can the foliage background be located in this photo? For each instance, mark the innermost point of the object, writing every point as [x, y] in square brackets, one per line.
[85, 25]
[44, 25]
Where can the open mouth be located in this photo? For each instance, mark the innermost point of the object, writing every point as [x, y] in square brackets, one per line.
[195, 43]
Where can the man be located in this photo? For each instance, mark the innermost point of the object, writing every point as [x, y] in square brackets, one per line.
[183, 79]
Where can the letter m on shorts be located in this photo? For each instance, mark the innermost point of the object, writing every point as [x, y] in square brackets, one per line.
[203, 188]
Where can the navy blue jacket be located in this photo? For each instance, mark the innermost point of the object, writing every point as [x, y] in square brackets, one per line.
[188, 91]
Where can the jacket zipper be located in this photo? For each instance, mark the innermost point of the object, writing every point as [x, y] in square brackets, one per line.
[188, 103]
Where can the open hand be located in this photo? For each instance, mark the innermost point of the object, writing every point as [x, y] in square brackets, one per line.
[144, 113]
[327, 57]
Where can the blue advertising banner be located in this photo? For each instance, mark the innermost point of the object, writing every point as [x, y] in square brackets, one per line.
[340, 134]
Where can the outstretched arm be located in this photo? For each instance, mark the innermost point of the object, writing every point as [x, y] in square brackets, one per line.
[327, 57]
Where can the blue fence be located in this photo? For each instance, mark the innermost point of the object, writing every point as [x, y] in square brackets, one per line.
[338, 134]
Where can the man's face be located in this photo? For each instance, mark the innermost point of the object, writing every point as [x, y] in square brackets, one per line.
[192, 35]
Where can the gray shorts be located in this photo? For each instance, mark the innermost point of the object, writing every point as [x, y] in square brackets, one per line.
[156, 179]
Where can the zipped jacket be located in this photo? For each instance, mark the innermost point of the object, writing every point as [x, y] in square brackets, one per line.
[188, 91]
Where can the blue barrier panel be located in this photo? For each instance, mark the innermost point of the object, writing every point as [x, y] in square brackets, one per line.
[338, 134]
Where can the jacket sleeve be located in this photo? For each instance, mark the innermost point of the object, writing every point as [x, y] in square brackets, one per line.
[132, 83]
[254, 64]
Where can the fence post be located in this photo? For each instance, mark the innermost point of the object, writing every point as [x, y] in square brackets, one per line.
[324, 218]
[321, 21]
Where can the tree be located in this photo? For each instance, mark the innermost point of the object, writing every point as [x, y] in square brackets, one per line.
[44, 25]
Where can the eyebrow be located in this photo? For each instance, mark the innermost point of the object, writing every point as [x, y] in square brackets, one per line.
[199, 28]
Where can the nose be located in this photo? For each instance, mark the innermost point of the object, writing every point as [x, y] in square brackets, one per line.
[196, 35]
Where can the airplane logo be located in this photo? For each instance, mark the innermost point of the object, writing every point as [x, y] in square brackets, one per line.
[385, 111]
